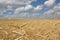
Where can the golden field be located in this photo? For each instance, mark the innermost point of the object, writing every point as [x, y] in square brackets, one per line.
[30, 29]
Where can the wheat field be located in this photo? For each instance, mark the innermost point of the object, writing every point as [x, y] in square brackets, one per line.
[30, 29]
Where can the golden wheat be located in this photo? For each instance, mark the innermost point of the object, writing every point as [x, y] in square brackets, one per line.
[29, 29]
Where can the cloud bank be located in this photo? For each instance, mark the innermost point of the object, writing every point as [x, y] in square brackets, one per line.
[24, 9]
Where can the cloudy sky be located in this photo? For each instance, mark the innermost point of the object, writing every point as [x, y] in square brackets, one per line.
[18, 9]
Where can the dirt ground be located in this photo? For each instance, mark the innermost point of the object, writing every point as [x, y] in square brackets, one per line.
[29, 29]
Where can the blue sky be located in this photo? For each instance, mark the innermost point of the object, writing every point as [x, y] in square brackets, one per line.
[38, 2]
[17, 9]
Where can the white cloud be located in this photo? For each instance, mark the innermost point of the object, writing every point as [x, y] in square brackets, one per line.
[22, 12]
[25, 15]
[58, 3]
[58, 13]
[20, 2]
[50, 2]
[14, 3]
[38, 8]
[49, 12]
[19, 15]
[28, 7]
[19, 9]
[1, 13]
[11, 4]
[23, 9]
[55, 11]
[57, 7]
